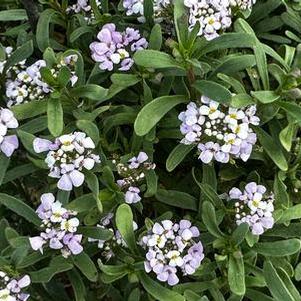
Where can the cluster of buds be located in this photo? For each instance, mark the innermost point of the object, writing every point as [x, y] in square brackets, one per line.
[7, 51]
[82, 6]
[116, 48]
[8, 143]
[11, 289]
[108, 246]
[221, 133]
[172, 247]
[214, 16]
[133, 174]
[59, 228]
[254, 207]
[136, 7]
[67, 156]
[25, 84]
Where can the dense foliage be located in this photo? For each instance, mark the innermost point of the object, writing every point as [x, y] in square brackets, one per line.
[150, 150]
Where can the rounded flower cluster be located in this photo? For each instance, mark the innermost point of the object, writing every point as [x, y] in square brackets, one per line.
[8, 143]
[133, 173]
[213, 16]
[67, 156]
[221, 133]
[254, 207]
[108, 246]
[25, 84]
[11, 289]
[115, 47]
[59, 228]
[136, 7]
[83, 6]
[171, 247]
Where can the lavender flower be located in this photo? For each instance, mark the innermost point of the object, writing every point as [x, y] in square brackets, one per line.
[67, 156]
[133, 173]
[59, 228]
[171, 247]
[220, 133]
[8, 143]
[11, 289]
[254, 207]
[82, 6]
[108, 246]
[136, 7]
[115, 48]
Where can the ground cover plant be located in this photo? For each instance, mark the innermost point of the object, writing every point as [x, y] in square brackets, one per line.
[150, 150]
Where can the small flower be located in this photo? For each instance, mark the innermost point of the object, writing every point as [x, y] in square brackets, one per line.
[132, 195]
[70, 225]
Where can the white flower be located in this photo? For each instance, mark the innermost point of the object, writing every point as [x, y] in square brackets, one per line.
[230, 139]
[57, 212]
[70, 225]
[67, 143]
[234, 115]
[211, 111]
[241, 130]
[5, 295]
[175, 258]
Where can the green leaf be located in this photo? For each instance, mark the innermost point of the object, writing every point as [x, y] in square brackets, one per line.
[291, 108]
[27, 140]
[291, 213]
[90, 91]
[20, 54]
[152, 183]
[158, 291]
[213, 90]
[18, 172]
[85, 264]
[42, 34]
[154, 111]
[274, 283]
[96, 232]
[4, 163]
[271, 148]
[177, 155]
[177, 199]
[278, 248]
[156, 59]
[124, 223]
[13, 15]
[155, 39]
[236, 274]
[57, 265]
[19, 208]
[90, 129]
[82, 203]
[55, 117]
[78, 285]
[286, 136]
[240, 233]
[288, 283]
[265, 96]
[241, 100]
[281, 195]
[30, 109]
[209, 219]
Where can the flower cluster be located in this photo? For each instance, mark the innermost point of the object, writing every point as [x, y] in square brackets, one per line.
[8, 143]
[7, 53]
[11, 289]
[108, 246]
[171, 247]
[214, 16]
[132, 173]
[254, 207]
[59, 228]
[115, 47]
[83, 6]
[25, 84]
[67, 156]
[136, 7]
[221, 133]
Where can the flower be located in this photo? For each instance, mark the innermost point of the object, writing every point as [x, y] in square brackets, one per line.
[12, 289]
[220, 133]
[60, 227]
[132, 195]
[82, 6]
[8, 143]
[255, 207]
[116, 48]
[67, 156]
[171, 247]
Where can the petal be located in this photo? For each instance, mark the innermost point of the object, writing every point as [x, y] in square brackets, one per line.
[41, 145]
[77, 178]
[65, 183]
